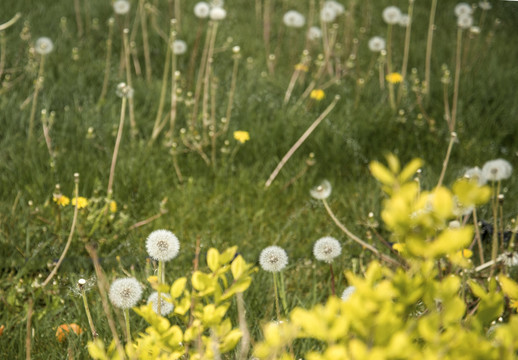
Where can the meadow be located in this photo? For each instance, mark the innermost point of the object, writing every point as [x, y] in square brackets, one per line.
[244, 124]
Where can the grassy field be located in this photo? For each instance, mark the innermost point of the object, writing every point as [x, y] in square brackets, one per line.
[223, 203]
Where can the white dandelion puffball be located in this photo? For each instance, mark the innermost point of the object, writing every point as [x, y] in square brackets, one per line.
[404, 20]
[314, 33]
[336, 6]
[326, 249]
[391, 15]
[376, 44]
[327, 14]
[294, 19]
[121, 7]
[273, 259]
[321, 191]
[348, 292]
[509, 258]
[485, 5]
[165, 306]
[476, 174]
[217, 13]
[124, 91]
[125, 293]
[202, 10]
[179, 47]
[463, 9]
[43, 46]
[496, 170]
[162, 245]
[465, 21]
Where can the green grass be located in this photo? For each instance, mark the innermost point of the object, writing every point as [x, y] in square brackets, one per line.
[228, 206]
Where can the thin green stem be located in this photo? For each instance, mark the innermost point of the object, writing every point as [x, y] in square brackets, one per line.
[457, 80]
[494, 246]
[275, 292]
[37, 86]
[159, 301]
[89, 315]
[109, 191]
[431, 28]
[453, 137]
[128, 331]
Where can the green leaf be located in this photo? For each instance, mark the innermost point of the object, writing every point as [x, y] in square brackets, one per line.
[238, 267]
[381, 173]
[213, 259]
[96, 350]
[178, 287]
[393, 163]
[409, 170]
[470, 193]
[201, 281]
[230, 341]
[509, 287]
[450, 241]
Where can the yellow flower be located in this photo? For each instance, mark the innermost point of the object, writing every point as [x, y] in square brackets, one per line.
[61, 200]
[394, 78]
[113, 206]
[465, 253]
[514, 304]
[81, 202]
[398, 247]
[301, 67]
[241, 136]
[317, 94]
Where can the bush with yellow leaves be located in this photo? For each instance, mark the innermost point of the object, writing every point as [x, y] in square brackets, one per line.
[435, 306]
[201, 328]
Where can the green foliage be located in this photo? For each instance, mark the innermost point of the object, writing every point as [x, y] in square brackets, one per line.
[200, 327]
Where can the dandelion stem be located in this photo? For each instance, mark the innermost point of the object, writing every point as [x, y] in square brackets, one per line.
[232, 88]
[431, 27]
[453, 137]
[70, 236]
[28, 333]
[245, 337]
[406, 50]
[494, 246]
[160, 274]
[159, 124]
[10, 22]
[300, 141]
[37, 86]
[356, 238]
[456, 81]
[275, 292]
[102, 285]
[89, 315]
[128, 332]
[79, 21]
[133, 124]
[333, 292]
[478, 238]
[109, 191]
[145, 41]
[107, 65]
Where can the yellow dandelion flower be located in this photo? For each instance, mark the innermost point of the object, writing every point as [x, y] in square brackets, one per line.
[241, 136]
[465, 253]
[81, 202]
[113, 206]
[514, 304]
[394, 78]
[301, 67]
[317, 94]
[61, 200]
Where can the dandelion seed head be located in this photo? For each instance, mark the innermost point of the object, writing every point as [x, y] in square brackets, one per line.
[121, 7]
[179, 47]
[376, 44]
[348, 292]
[294, 19]
[463, 9]
[326, 249]
[476, 174]
[202, 10]
[273, 259]
[391, 15]
[464, 21]
[43, 46]
[509, 258]
[404, 20]
[125, 293]
[338, 8]
[124, 91]
[321, 191]
[165, 306]
[217, 13]
[162, 245]
[314, 33]
[496, 170]
[485, 5]
[327, 14]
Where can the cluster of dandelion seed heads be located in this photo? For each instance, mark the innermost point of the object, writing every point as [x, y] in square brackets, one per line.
[125, 293]
[43, 46]
[165, 305]
[273, 259]
[496, 170]
[293, 18]
[391, 15]
[162, 245]
[326, 249]
[121, 7]
[376, 44]
[321, 191]
[348, 292]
